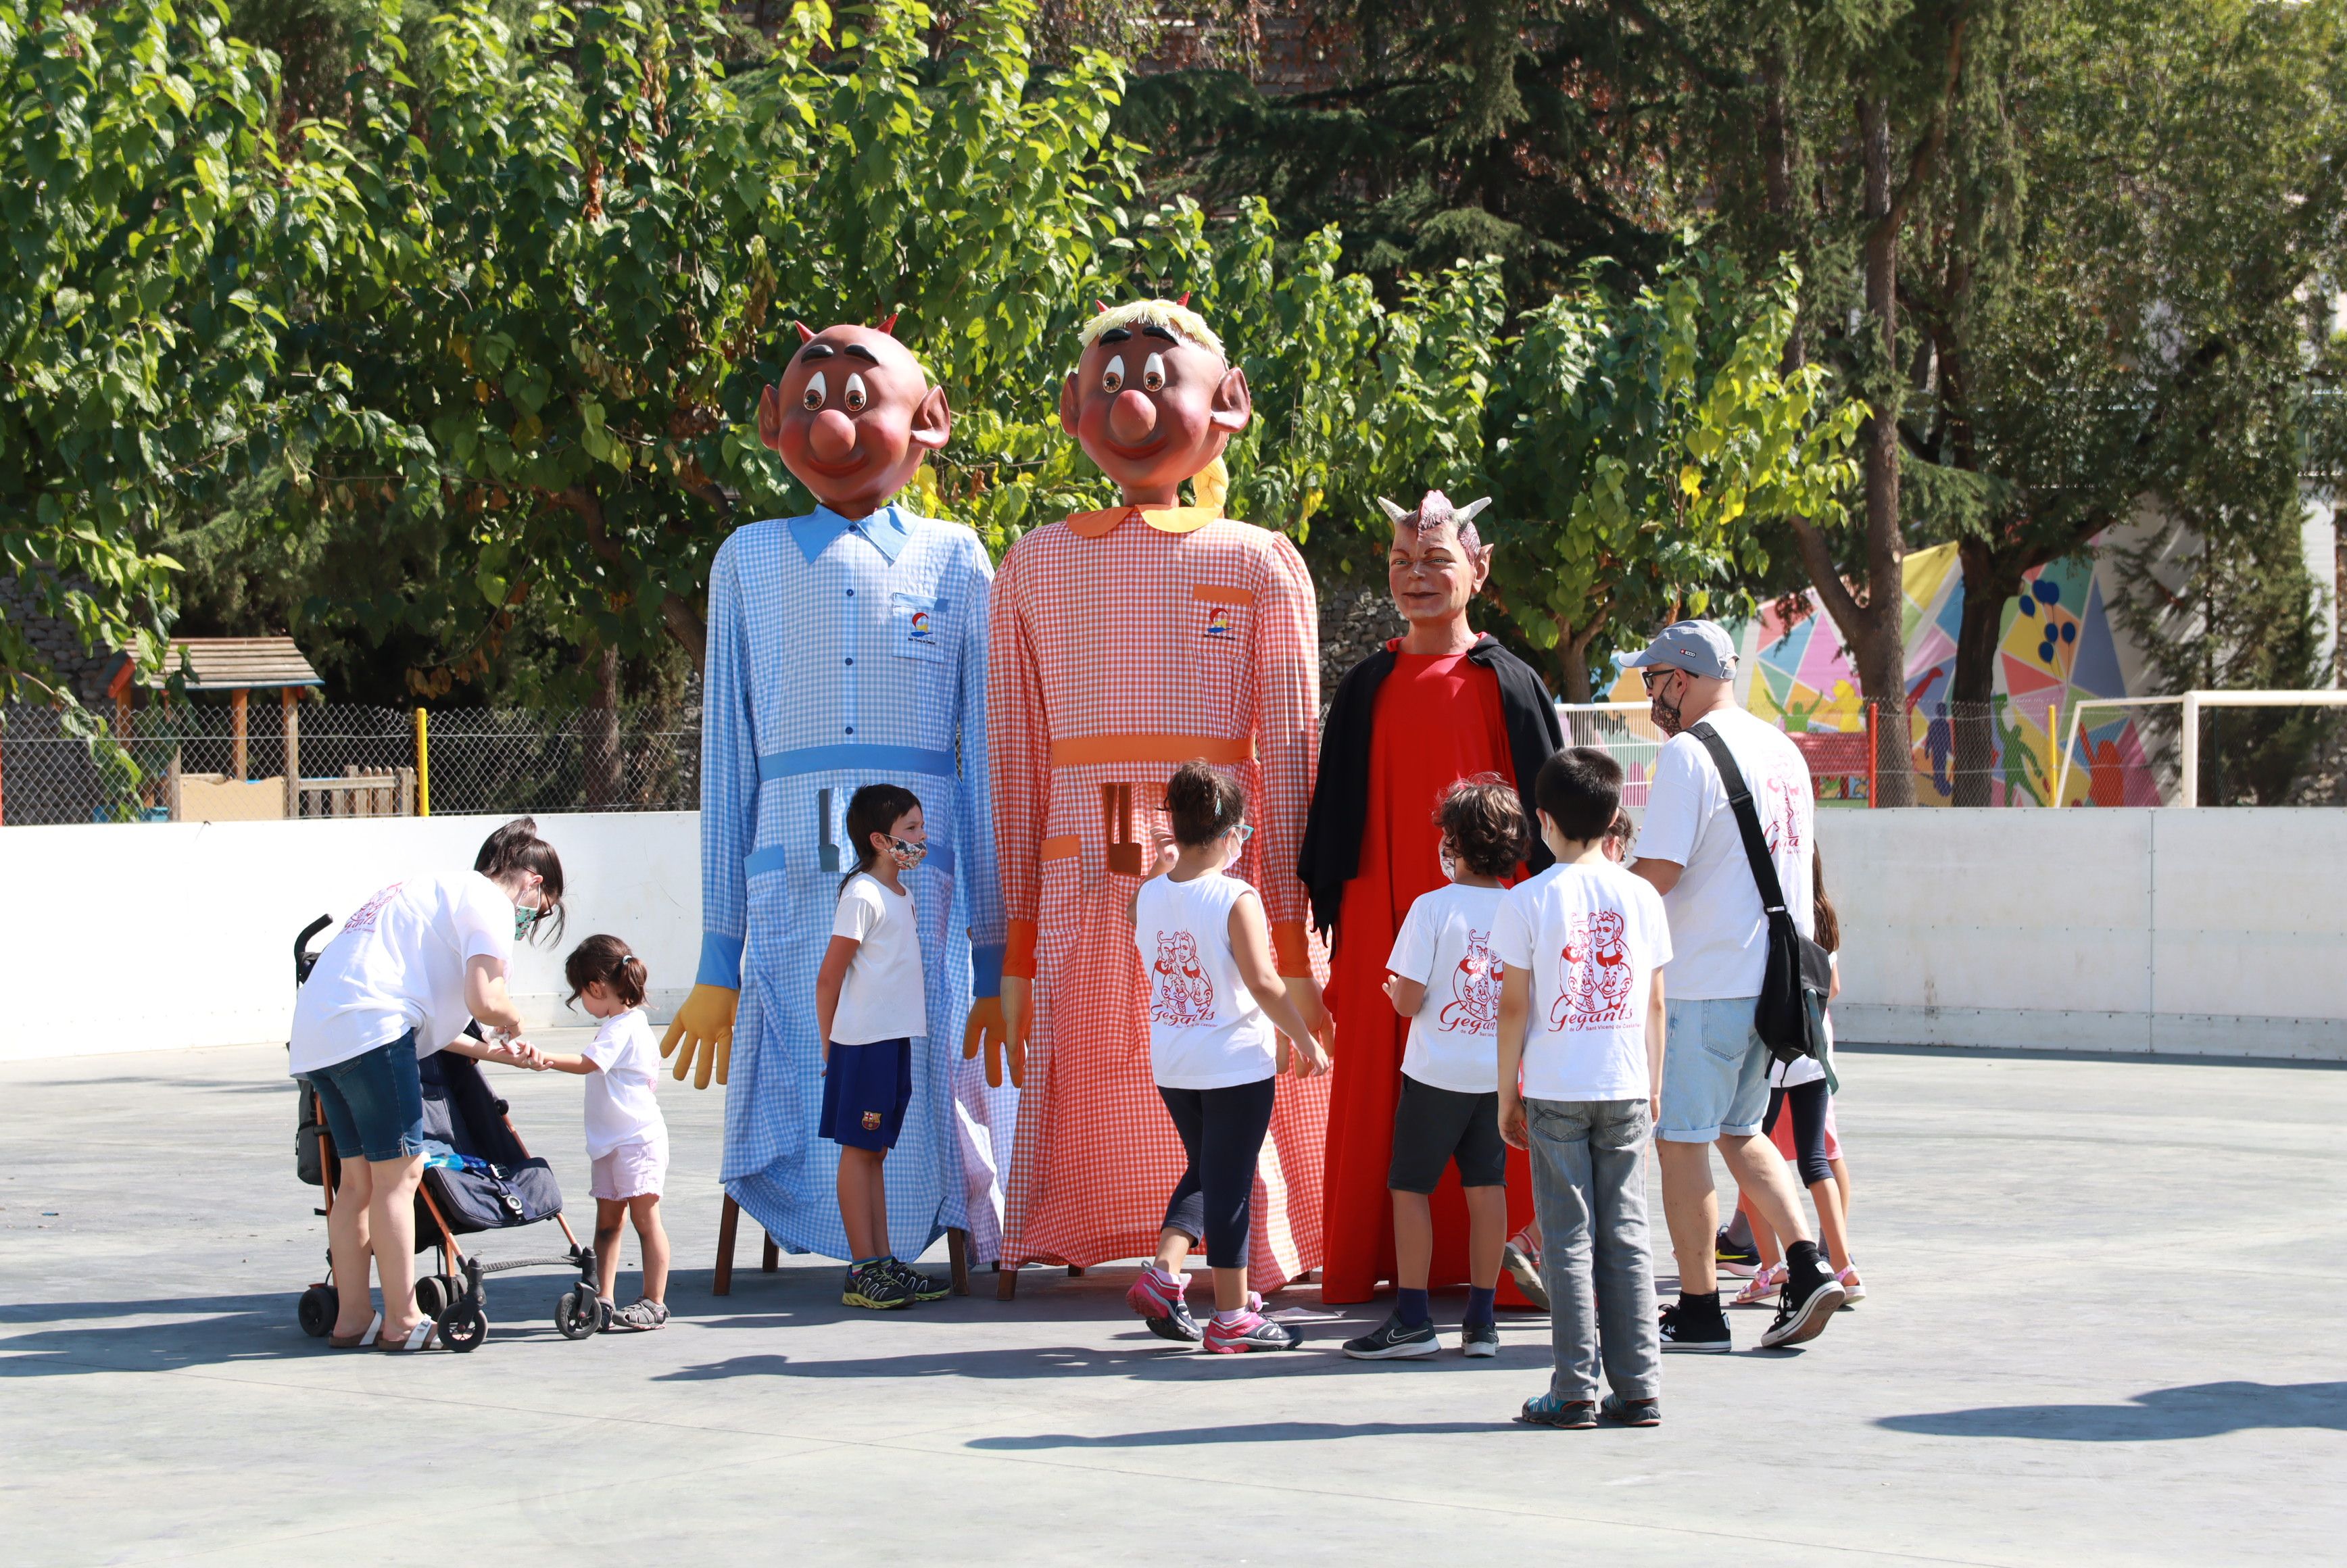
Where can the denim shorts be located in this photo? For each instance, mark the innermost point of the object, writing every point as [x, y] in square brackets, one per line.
[1714, 1071]
[374, 1102]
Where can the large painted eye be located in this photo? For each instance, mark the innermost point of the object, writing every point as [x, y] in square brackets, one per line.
[1112, 378]
[812, 398]
[1153, 374]
[854, 397]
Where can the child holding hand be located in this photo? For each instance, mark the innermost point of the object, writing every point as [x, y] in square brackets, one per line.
[870, 1003]
[626, 1140]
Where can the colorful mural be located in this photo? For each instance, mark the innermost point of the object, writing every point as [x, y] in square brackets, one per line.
[2056, 647]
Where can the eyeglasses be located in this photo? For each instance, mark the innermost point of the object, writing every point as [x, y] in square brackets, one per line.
[1245, 831]
[1651, 676]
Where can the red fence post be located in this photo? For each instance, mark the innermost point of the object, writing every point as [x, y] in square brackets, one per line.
[1873, 757]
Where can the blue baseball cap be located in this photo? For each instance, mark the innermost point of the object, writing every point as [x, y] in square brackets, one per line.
[1698, 647]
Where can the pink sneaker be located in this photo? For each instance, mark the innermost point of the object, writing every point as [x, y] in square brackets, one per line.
[1154, 1295]
[1250, 1331]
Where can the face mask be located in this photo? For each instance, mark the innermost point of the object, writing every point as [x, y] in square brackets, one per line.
[1449, 862]
[908, 853]
[523, 920]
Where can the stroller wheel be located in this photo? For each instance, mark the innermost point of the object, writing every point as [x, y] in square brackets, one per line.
[577, 1315]
[464, 1327]
[319, 1305]
[435, 1293]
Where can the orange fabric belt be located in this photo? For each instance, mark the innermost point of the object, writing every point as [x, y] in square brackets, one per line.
[1083, 751]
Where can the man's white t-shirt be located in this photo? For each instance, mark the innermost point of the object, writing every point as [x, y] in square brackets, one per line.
[1207, 1030]
[883, 997]
[399, 964]
[621, 1105]
[1592, 937]
[1719, 933]
[1445, 944]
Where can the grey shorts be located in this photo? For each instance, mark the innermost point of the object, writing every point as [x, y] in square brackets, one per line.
[1435, 1126]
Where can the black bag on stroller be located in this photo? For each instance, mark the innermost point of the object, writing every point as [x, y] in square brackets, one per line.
[502, 1183]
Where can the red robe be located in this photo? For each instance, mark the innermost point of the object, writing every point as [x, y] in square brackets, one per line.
[1438, 720]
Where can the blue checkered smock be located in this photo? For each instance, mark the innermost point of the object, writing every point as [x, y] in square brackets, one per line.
[842, 654]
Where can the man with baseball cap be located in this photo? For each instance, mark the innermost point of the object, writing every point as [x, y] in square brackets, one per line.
[1714, 1068]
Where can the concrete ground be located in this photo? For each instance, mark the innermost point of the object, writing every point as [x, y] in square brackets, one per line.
[2103, 1327]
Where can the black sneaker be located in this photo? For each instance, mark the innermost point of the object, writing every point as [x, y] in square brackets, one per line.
[1632, 1412]
[1479, 1338]
[1176, 1324]
[1394, 1341]
[875, 1287]
[923, 1286]
[1806, 1303]
[1696, 1329]
[1738, 1259]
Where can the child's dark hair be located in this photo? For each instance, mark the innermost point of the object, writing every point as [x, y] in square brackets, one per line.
[1827, 925]
[1621, 830]
[607, 960]
[516, 847]
[1485, 824]
[1581, 789]
[1205, 803]
[872, 809]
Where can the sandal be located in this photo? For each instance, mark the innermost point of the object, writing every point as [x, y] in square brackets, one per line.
[418, 1338]
[357, 1341]
[643, 1316]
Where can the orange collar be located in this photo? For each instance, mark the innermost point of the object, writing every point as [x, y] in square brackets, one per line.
[1165, 519]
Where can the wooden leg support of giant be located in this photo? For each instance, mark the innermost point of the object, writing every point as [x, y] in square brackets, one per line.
[729, 1225]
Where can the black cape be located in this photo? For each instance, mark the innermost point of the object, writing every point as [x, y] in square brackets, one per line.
[1340, 798]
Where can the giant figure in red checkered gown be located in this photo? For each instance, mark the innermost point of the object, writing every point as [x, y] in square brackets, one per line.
[1123, 643]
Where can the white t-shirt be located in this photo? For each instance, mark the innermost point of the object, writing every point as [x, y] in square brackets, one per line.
[1207, 1030]
[883, 997]
[622, 1106]
[1803, 1069]
[1445, 944]
[1592, 937]
[1718, 930]
[399, 964]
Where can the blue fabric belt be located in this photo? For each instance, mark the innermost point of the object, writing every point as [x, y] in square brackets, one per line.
[777, 858]
[872, 759]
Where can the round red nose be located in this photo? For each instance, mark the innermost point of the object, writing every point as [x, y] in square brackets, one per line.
[832, 438]
[1131, 418]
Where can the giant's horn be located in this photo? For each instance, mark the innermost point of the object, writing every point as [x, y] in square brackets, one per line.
[805, 335]
[1466, 513]
[1184, 302]
[1395, 512]
[889, 326]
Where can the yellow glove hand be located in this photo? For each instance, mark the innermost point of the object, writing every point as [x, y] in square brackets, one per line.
[705, 1026]
[985, 1028]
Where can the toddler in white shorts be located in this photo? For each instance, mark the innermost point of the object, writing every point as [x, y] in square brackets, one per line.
[627, 1140]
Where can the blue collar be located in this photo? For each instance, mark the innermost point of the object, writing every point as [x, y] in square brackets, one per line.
[886, 530]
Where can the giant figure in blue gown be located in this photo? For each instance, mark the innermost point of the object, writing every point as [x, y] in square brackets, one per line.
[847, 647]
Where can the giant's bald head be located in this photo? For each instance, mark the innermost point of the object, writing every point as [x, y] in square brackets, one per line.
[852, 417]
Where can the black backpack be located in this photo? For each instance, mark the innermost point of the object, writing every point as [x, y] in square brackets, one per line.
[1790, 1017]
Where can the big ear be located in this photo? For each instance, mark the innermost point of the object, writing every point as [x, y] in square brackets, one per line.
[770, 418]
[932, 421]
[1234, 406]
[1067, 403]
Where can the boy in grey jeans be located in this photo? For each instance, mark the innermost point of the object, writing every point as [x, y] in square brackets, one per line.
[1580, 1019]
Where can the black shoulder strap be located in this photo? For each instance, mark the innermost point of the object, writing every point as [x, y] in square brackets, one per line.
[1748, 818]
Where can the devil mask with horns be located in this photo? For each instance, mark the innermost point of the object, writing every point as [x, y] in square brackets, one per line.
[1437, 563]
[853, 416]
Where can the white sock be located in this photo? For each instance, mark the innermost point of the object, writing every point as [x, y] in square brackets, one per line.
[1171, 1277]
[1230, 1316]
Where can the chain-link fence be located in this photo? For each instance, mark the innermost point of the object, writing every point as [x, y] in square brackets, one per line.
[195, 762]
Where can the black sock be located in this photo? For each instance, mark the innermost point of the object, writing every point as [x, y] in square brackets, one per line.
[1803, 1255]
[1412, 1307]
[1479, 1308]
[1706, 1302]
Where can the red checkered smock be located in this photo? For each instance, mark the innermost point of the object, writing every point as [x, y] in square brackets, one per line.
[1124, 643]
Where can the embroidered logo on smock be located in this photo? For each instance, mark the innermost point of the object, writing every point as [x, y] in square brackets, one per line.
[1218, 621]
[920, 626]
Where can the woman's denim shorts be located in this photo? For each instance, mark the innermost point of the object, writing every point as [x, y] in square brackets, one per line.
[374, 1102]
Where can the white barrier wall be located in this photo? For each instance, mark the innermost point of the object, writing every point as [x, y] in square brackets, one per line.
[2198, 931]
[2215, 931]
[153, 935]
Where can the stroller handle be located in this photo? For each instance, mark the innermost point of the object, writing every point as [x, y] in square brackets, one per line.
[304, 960]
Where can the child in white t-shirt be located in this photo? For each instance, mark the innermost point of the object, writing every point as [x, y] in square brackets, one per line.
[1215, 997]
[870, 1003]
[1442, 978]
[626, 1140]
[1580, 1066]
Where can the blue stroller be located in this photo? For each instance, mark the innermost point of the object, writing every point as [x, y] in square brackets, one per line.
[490, 1182]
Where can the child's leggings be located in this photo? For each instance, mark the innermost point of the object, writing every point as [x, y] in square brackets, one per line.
[1221, 1131]
[1809, 1101]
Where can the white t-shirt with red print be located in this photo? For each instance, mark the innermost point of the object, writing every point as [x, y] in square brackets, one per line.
[398, 964]
[1207, 1030]
[1718, 930]
[1445, 944]
[1592, 937]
